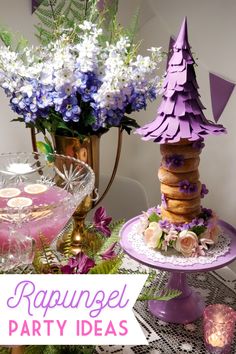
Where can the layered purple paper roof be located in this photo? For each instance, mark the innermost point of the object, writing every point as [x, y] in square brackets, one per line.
[180, 114]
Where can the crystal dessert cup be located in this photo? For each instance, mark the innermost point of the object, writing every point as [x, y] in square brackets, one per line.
[38, 195]
[219, 322]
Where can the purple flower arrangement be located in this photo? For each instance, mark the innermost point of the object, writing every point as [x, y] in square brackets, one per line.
[190, 239]
[79, 84]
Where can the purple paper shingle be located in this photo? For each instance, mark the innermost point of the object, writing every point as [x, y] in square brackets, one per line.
[180, 114]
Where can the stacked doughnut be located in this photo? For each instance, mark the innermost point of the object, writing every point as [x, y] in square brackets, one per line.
[179, 177]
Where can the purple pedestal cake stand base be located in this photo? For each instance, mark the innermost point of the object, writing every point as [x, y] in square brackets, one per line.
[189, 306]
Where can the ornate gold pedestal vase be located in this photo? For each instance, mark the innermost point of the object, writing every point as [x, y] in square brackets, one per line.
[87, 151]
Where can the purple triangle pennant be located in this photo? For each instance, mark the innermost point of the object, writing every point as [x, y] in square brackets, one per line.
[221, 91]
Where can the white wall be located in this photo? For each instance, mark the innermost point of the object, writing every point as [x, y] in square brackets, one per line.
[212, 29]
[16, 15]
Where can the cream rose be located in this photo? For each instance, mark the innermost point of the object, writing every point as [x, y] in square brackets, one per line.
[186, 243]
[152, 235]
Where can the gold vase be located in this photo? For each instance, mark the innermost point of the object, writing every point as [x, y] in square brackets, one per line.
[87, 151]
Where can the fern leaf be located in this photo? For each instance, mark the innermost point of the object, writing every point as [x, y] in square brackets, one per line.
[59, 8]
[46, 21]
[76, 14]
[163, 295]
[44, 12]
[44, 3]
[107, 267]
[67, 9]
[133, 28]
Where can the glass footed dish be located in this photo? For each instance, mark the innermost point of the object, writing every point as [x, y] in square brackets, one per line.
[38, 195]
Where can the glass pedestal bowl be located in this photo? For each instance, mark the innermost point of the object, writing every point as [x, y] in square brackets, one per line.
[38, 195]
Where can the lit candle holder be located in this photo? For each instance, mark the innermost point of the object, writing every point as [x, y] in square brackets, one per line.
[218, 322]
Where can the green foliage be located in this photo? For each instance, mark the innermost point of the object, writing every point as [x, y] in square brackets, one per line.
[59, 349]
[153, 291]
[198, 229]
[6, 37]
[107, 267]
[128, 124]
[154, 217]
[12, 41]
[133, 27]
[54, 15]
[163, 295]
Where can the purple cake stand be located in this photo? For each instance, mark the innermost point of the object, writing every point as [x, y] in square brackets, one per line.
[189, 306]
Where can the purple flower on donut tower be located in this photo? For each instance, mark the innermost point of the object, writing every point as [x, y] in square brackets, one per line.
[180, 128]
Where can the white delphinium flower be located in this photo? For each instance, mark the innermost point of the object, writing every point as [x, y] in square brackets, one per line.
[88, 49]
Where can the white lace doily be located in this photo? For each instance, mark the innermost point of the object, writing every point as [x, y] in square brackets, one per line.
[172, 256]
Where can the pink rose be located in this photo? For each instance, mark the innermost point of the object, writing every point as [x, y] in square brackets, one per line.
[152, 235]
[186, 243]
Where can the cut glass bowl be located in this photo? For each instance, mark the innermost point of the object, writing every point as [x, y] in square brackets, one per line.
[38, 195]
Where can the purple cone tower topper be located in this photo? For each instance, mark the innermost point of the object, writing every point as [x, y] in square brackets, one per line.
[180, 127]
[180, 114]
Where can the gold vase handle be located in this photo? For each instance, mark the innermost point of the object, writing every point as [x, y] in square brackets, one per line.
[118, 152]
[33, 139]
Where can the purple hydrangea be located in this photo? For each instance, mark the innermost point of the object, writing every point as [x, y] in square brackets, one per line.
[174, 161]
[187, 187]
[165, 224]
[204, 190]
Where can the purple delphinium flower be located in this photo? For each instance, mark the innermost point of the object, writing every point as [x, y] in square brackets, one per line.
[80, 264]
[199, 144]
[109, 253]
[187, 187]
[89, 85]
[163, 201]
[138, 101]
[69, 109]
[101, 221]
[204, 190]
[174, 161]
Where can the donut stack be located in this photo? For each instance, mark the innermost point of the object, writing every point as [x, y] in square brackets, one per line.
[179, 178]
